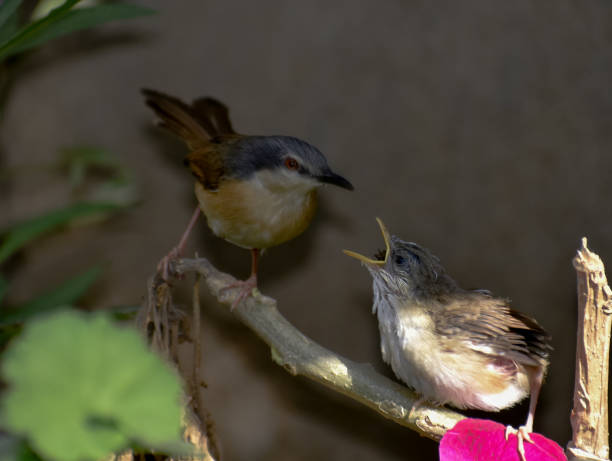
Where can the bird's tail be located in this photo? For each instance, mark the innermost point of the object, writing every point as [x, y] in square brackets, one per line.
[204, 119]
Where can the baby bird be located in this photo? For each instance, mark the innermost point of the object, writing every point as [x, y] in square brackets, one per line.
[461, 347]
[255, 191]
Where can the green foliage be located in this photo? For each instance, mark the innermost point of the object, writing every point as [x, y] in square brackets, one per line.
[14, 449]
[77, 386]
[81, 160]
[3, 288]
[61, 21]
[20, 234]
[65, 294]
[81, 388]
[8, 18]
[8, 10]
[97, 175]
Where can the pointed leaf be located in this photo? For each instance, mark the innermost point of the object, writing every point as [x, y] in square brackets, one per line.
[64, 20]
[63, 295]
[8, 8]
[3, 288]
[21, 234]
[8, 18]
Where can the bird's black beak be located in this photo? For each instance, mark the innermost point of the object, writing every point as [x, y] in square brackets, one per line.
[335, 179]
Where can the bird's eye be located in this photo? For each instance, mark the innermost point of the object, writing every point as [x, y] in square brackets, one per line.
[399, 260]
[291, 163]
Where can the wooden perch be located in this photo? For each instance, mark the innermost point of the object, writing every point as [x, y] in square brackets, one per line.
[300, 355]
[589, 416]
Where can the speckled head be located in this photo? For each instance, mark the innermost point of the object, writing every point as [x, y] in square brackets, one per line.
[295, 159]
[407, 268]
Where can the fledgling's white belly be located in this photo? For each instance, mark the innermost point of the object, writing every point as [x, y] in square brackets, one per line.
[461, 377]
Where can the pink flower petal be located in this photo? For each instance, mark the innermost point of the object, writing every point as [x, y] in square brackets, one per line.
[484, 440]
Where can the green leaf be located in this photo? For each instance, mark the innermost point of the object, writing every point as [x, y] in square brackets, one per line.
[111, 182]
[124, 312]
[8, 8]
[9, 448]
[44, 7]
[15, 449]
[15, 37]
[8, 18]
[21, 234]
[3, 288]
[63, 295]
[64, 20]
[80, 160]
[80, 388]
[7, 333]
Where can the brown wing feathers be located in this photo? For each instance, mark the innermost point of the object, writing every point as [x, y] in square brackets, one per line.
[534, 336]
[498, 327]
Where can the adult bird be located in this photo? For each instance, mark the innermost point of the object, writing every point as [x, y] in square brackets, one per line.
[255, 191]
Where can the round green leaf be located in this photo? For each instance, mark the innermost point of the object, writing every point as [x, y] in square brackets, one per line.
[81, 388]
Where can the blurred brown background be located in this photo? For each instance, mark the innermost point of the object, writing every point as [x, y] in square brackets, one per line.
[480, 129]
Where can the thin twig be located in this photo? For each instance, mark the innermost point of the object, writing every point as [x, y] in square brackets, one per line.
[300, 355]
[589, 416]
[163, 323]
[197, 348]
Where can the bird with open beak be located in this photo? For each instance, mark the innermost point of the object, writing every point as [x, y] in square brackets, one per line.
[451, 345]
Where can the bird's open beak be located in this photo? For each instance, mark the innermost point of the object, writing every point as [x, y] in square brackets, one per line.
[370, 261]
[336, 180]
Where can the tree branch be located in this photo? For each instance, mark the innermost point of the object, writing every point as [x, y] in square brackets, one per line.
[300, 355]
[589, 416]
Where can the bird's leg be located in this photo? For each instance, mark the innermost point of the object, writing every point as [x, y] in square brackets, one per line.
[522, 433]
[246, 286]
[163, 265]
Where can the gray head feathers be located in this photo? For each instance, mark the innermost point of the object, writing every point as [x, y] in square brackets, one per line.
[254, 153]
[416, 271]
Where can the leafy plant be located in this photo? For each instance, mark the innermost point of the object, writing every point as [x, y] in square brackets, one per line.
[109, 388]
[52, 19]
[81, 160]
[78, 387]
[59, 21]
[17, 236]
[65, 294]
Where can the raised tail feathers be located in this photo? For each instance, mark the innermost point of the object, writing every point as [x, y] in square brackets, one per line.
[214, 113]
[197, 123]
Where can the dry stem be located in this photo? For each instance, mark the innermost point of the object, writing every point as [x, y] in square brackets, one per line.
[300, 355]
[163, 325]
[589, 416]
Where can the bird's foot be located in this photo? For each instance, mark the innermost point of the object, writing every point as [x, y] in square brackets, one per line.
[246, 289]
[417, 403]
[163, 266]
[522, 434]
